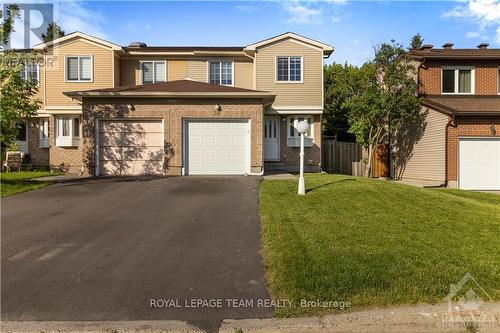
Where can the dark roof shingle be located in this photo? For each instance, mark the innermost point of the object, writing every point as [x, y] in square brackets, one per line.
[457, 53]
[464, 104]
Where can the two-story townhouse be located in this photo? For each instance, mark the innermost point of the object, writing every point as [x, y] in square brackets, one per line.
[113, 110]
[458, 142]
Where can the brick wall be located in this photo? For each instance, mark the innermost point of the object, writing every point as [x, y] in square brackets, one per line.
[312, 155]
[172, 111]
[470, 126]
[486, 75]
[68, 159]
[39, 156]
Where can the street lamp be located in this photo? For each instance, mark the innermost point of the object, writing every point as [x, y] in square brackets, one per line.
[303, 128]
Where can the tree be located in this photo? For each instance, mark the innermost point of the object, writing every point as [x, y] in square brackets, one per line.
[416, 42]
[54, 31]
[7, 22]
[17, 102]
[385, 97]
[337, 84]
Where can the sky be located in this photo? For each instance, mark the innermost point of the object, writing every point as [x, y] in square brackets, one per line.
[353, 28]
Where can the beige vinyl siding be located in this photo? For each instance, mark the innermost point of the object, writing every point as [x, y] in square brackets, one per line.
[177, 69]
[307, 94]
[56, 80]
[243, 74]
[116, 70]
[130, 72]
[424, 158]
[197, 70]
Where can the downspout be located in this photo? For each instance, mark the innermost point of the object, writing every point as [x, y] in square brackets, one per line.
[451, 122]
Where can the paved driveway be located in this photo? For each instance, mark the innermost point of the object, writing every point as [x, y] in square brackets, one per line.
[102, 249]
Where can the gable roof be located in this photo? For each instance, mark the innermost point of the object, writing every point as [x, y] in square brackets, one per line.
[77, 34]
[327, 49]
[173, 89]
[464, 105]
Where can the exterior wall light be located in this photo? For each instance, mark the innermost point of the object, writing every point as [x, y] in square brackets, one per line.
[218, 108]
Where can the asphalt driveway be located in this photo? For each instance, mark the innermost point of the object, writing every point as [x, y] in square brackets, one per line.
[133, 249]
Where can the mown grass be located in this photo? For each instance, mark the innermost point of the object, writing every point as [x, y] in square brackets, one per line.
[17, 182]
[373, 242]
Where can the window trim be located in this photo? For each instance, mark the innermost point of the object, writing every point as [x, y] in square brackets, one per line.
[294, 141]
[25, 70]
[220, 60]
[154, 70]
[276, 57]
[456, 69]
[58, 131]
[79, 79]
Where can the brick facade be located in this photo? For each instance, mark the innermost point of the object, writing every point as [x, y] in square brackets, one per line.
[173, 112]
[290, 155]
[486, 75]
[39, 157]
[467, 126]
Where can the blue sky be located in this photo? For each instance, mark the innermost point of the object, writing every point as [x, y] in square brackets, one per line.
[352, 27]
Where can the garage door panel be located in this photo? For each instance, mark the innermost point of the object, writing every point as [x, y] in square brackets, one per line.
[217, 147]
[131, 147]
[479, 163]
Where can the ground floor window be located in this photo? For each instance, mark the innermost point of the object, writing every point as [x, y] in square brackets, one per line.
[67, 131]
[44, 132]
[293, 135]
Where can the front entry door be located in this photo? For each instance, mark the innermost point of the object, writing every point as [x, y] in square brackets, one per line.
[271, 138]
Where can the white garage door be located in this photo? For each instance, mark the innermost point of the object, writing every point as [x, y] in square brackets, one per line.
[479, 165]
[130, 147]
[217, 147]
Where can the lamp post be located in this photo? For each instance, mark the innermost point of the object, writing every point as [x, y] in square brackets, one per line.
[303, 128]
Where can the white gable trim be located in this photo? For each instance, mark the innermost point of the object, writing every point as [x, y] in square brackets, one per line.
[97, 41]
[309, 41]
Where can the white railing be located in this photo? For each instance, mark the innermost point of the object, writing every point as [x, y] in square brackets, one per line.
[67, 141]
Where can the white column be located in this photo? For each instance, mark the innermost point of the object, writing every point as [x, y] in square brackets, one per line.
[302, 189]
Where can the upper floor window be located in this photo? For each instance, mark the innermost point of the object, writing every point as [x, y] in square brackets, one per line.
[289, 69]
[154, 71]
[79, 68]
[457, 80]
[30, 71]
[221, 72]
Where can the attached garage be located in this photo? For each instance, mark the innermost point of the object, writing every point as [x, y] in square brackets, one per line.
[479, 163]
[217, 147]
[130, 147]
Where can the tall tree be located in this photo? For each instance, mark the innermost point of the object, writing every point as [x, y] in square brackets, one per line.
[54, 31]
[385, 99]
[7, 22]
[17, 95]
[416, 42]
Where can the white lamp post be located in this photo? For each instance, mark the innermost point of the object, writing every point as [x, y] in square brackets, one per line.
[303, 128]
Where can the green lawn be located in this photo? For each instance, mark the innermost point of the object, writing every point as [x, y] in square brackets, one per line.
[374, 242]
[17, 182]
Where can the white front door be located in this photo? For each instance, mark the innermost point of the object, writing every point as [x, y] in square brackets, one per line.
[217, 147]
[479, 166]
[272, 138]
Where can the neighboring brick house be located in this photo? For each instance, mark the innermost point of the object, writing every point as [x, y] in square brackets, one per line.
[113, 110]
[458, 144]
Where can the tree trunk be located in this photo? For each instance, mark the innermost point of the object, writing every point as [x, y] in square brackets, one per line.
[368, 170]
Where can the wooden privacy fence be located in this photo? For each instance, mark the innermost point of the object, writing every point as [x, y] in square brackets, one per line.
[349, 158]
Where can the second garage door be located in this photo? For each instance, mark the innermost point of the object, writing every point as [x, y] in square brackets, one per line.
[217, 147]
[130, 147]
[479, 165]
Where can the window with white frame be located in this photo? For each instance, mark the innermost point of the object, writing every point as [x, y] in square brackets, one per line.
[68, 131]
[44, 132]
[79, 68]
[293, 135]
[154, 71]
[289, 69]
[30, 71]
[221, 72]
[457, 80]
